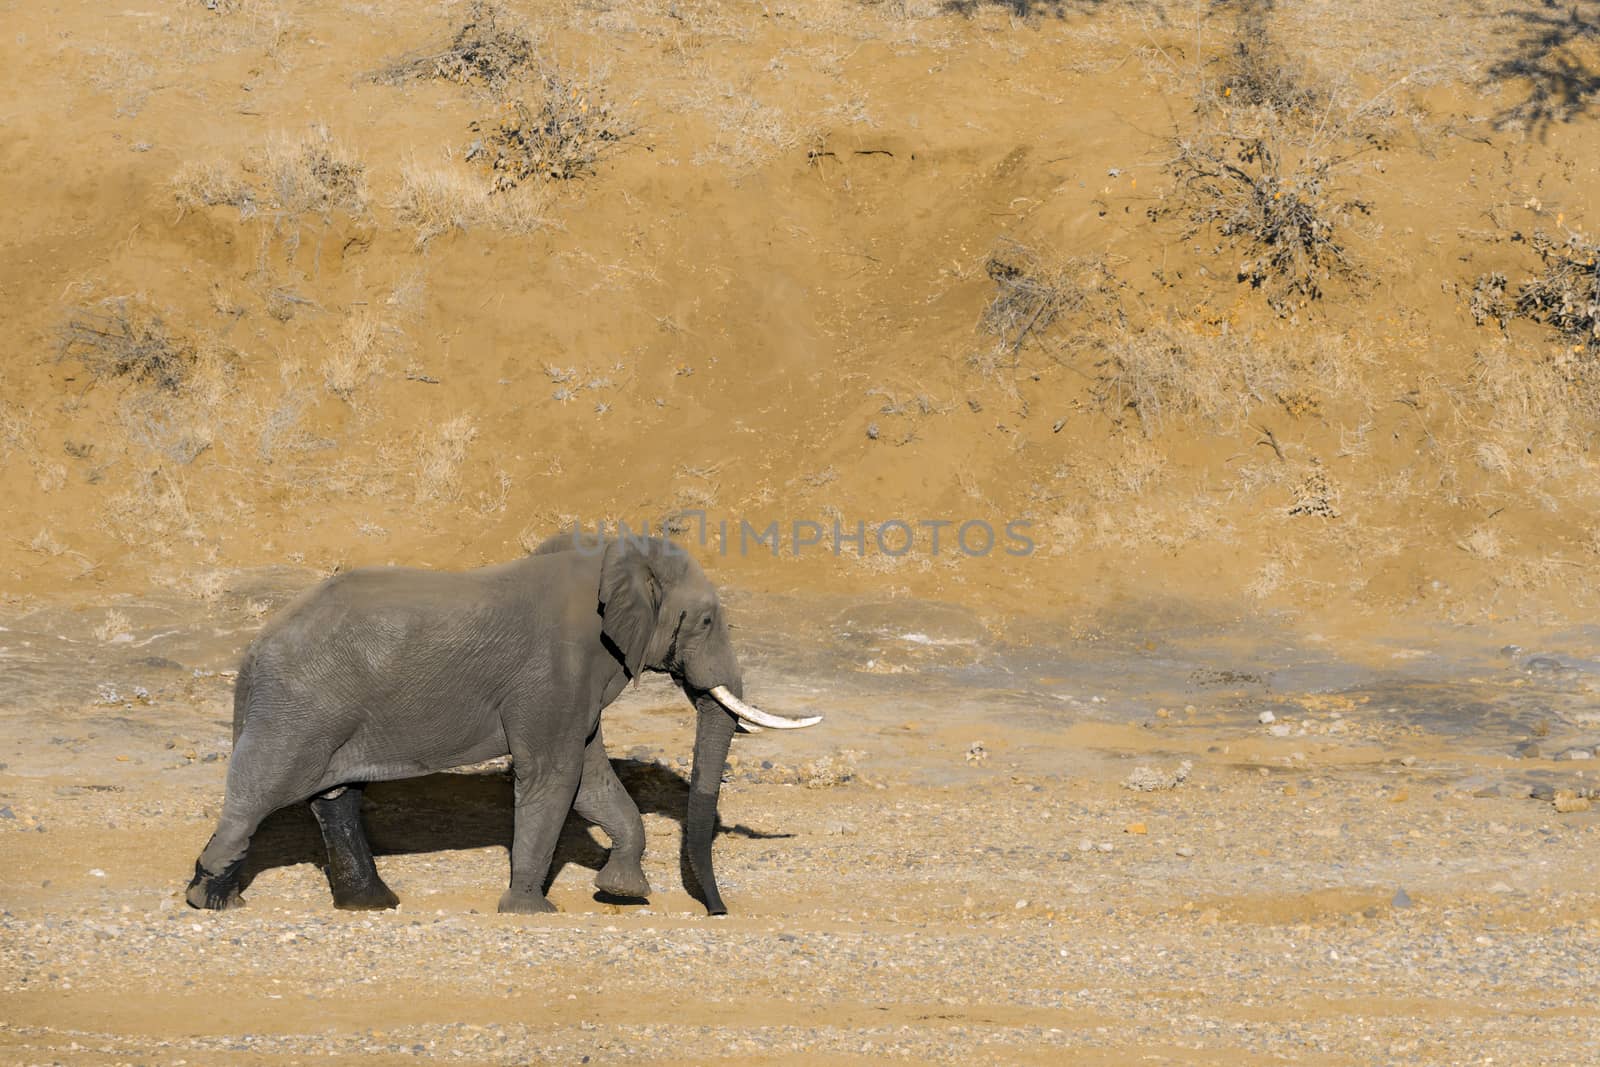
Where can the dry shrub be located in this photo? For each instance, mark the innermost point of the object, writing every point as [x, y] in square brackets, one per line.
[1286, 217]
[314, 175]
[438, 200]
[1565, 295]
[1033, 291]
[123, 339]
[1316, 494]
[561, 136]
[489, 48]
[290, 177]
[1255, 72]
[439, 459]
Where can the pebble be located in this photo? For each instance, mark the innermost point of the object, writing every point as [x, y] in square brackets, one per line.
[1281, 729]
[1186, 851]
[1402, 899]
[1266, 718]
[1567, 802]
[1576, 753]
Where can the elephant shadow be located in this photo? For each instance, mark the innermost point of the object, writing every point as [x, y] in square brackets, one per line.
[468, 810]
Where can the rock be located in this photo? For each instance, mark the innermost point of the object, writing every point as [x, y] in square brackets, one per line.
[976, 752]
[1281, 729]
[1409, 761]
[1186, 851]
[1145, 780]
[1567, 801]
[1576, 753]
[1138, 828]
[1530, 750]
[1401, 899]
[1266, 718]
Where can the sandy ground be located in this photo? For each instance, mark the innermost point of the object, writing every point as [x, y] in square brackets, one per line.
[954, 869]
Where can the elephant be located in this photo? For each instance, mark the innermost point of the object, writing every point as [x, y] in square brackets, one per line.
[385, 673]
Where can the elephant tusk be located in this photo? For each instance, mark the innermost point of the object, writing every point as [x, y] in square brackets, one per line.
[755, 716]
[745, 728]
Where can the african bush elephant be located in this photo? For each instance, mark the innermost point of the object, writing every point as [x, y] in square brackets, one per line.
[387, 673]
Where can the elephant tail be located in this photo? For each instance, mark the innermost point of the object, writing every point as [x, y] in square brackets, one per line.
[241, 693]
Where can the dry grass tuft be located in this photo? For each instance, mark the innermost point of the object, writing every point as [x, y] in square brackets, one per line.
[119, 338]
[489, 48]
[1166, 374]
[561, 136]
[115, 629]
[290, 177]
[361, 351]
[1542, 413]
[152, 510]
[435, 201]
[1255, 71]
[439, 459]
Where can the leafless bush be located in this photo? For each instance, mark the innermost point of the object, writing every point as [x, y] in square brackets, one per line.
[1564, 296]
[488, 48]
[1488, 299]
[559, 137]
[119, 339]
[1286, 216]
[1032, 291]
[1567, 295]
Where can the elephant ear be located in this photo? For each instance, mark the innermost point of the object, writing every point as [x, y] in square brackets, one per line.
[629, 602]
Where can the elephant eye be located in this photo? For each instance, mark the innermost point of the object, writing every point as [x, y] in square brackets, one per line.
[705, 621]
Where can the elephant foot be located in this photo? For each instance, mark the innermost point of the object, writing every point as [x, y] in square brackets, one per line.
[374, 896]
[214, 892]
[622, 878]
[519, 902]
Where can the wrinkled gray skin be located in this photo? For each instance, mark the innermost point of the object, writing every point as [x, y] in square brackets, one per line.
[389, 673]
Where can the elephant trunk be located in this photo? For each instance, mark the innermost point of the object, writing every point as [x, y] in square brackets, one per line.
[713, 732]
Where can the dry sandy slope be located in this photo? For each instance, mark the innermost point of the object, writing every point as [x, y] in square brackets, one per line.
[792, 250]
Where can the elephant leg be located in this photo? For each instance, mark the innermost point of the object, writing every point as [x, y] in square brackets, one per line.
[545, 786]
[352, 875]
[262, 777]
[215, 885]
[603, 801]
[250, 798]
